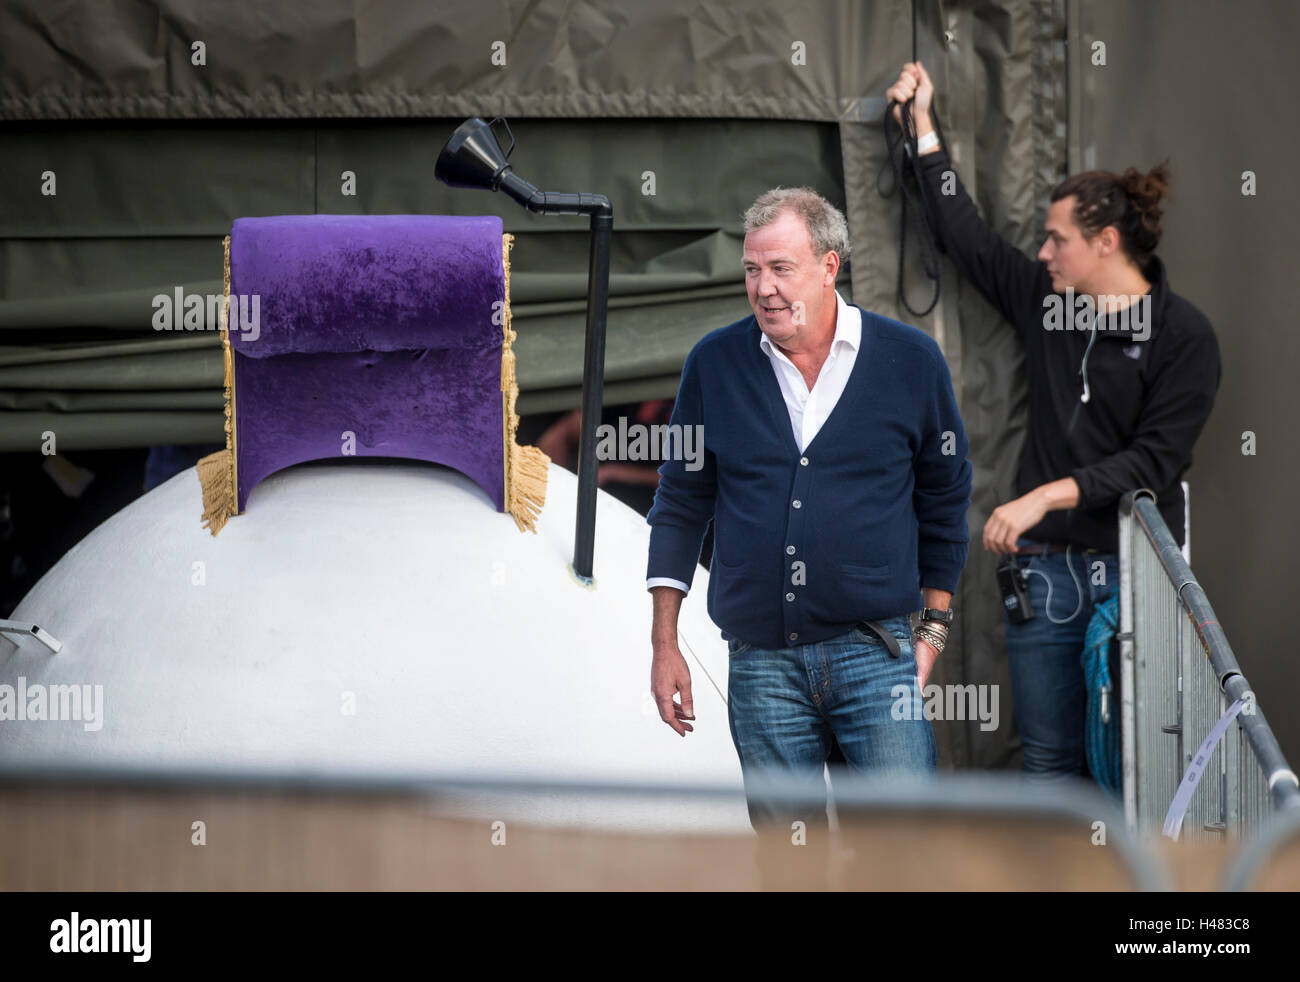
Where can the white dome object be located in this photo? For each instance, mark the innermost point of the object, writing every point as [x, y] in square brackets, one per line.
[375, 618]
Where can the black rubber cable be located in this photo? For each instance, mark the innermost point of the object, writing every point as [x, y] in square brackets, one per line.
[904, 161]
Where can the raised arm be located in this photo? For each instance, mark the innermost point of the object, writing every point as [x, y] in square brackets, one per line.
[1014, 283]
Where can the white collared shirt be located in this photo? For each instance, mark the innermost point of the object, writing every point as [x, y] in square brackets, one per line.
[808, 410]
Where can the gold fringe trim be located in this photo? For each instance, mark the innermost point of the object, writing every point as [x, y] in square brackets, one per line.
[217, 471]
[525, 467]
[218, 502]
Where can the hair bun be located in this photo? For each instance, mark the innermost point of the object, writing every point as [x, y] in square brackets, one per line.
[1129, 201]
[1144, 193]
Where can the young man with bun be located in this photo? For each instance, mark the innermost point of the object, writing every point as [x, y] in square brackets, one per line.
[1122, 375]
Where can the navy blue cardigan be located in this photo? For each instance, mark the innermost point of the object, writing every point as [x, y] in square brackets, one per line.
[806, 545]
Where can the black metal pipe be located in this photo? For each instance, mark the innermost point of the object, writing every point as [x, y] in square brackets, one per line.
[593, 367]
[593, 388]
[552, 202]
[473, 158]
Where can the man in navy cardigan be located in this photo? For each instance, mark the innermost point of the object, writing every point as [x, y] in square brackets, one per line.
[835, 472]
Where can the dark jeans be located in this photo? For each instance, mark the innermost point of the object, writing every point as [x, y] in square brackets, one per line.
[1047, 684]
[786, 707]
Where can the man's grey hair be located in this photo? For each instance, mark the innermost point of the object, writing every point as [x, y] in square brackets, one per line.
[825, 222]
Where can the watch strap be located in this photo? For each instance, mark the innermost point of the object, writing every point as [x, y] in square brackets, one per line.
[934, 614]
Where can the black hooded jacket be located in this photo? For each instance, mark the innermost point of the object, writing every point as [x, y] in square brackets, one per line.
[1148, 398]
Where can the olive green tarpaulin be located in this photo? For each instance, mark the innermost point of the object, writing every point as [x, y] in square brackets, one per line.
[130, 59]
[140, 210]
[160, 123]
[154, 155]
[713, 103]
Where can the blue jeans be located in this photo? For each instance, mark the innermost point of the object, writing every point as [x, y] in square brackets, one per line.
[1047, 685]
[784, 705]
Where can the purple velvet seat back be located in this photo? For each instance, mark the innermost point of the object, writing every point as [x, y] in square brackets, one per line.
[387, 328]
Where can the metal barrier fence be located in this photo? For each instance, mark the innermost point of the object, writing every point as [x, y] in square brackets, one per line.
[1179, 677]
[80, 827]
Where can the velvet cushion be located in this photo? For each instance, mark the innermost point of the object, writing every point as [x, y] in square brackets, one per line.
[367, 282]
[381, 327]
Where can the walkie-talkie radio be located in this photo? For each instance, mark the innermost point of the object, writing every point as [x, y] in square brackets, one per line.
[1014, 584]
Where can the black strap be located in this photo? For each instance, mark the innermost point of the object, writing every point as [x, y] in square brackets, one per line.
[906, 166]
[887, 637]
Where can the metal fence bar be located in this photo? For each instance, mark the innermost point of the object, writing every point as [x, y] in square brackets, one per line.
[976, 796]
[1184, 676]
[1150, 609]
[1128, 674]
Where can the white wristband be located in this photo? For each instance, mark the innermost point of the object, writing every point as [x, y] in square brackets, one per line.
[927, 142]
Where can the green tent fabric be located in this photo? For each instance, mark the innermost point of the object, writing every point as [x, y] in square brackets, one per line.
[297, 59]
[171, 121]
[140, 210]
[154, 155]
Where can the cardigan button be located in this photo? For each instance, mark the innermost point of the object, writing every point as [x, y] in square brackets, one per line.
[803, 461]
[797, 503]
[794, 636]
[789, 596]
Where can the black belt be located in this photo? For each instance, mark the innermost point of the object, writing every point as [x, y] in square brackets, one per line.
[1049, 549]
[887, 637]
